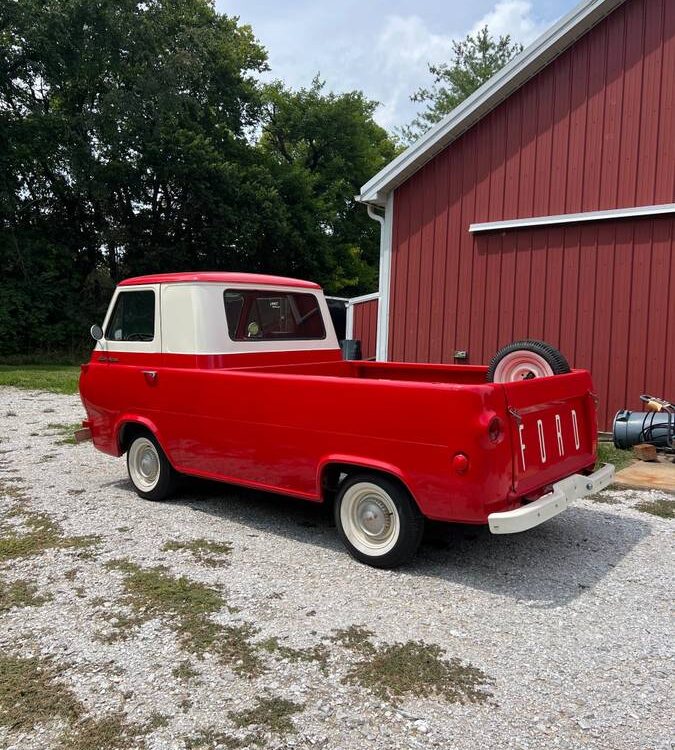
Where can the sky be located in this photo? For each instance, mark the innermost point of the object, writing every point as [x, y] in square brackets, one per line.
[380, 47]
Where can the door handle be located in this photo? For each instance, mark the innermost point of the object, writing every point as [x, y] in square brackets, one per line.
[150, 376]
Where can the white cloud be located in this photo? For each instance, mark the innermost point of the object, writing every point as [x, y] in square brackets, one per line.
[381, 46]
[513, 17]
[403, 48]
[406, 40]
[405, 45]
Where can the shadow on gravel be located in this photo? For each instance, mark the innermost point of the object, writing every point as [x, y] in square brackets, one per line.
[546, 566]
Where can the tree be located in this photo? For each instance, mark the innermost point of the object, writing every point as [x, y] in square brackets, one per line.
[137, 137]
[475, 59]
[323, 147]
[124, 129]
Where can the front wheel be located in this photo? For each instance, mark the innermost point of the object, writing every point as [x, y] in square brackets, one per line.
[378, 521]
[149, 469]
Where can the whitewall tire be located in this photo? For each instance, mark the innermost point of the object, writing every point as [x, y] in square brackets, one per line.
[524, 360]
[377, 520]
[150, 472]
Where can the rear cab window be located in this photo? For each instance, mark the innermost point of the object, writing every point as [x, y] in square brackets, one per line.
[259, 315]
[133, 318]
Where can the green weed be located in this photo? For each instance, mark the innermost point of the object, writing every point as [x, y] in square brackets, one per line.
[270, 713]
[203, 550]
[31, 694]
[662, 508]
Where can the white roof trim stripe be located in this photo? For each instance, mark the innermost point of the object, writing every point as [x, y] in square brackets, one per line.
[539, 221]
[363, 298]
[511, 77]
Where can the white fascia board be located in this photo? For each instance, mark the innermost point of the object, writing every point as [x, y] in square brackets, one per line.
[542, 221]
[363, 298]
[511, 77]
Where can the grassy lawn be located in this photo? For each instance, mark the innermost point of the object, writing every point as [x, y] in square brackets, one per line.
[53, 378]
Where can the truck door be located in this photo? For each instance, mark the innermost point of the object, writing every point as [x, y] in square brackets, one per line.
[131, 348]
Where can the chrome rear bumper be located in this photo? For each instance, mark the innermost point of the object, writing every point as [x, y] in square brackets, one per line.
[556, 501]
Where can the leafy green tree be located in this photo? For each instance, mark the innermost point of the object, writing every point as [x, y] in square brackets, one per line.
[136, 137]
[323, 147]
[124, 131]
[475, 59]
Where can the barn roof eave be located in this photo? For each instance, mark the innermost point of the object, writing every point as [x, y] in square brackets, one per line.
[511, 77]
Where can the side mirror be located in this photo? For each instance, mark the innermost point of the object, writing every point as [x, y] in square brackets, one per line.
[96, 332]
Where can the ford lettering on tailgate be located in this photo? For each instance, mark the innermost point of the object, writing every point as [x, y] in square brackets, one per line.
[545, 428]
[553, 432]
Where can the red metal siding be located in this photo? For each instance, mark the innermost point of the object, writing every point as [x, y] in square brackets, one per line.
[365, 327]
[594, 130]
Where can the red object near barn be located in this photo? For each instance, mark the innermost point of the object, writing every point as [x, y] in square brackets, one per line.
[239, 378]
[543, 207]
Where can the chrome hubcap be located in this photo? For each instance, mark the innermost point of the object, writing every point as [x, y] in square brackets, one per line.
[370, 519]
[148, 464]
[373, 517]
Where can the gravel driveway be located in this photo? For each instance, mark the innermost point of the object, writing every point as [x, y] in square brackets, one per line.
[228, 618]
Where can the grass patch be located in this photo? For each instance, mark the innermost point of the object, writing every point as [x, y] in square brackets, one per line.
[52, 378]
[10, 487]
[157, 593]
[203, 550]
[65, 431]
[210, 739]
[186, 606]
[355, 638]
[185, 671]
[608, 454]
[30, 694]
[317, 653]
[110, 732]
[42, 534]
[156, 721]
[412, 668]
[19, 594]
[270, 713]
[601, 497]
[662, 508]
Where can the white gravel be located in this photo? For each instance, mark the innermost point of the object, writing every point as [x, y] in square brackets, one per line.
[572, 621]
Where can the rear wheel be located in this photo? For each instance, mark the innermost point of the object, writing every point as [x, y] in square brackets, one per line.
[524, 360]
[377, 521]
[149, 469]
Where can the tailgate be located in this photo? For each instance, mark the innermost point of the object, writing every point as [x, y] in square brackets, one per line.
[553, 428]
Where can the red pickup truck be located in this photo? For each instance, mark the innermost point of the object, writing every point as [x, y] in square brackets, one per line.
[240, 378]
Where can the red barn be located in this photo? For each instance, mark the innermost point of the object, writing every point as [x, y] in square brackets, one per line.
[543, 207]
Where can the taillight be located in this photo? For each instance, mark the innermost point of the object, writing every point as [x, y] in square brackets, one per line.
[495, 429]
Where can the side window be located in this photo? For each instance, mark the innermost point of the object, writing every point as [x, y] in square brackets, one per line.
[133, 318]
[258, 315]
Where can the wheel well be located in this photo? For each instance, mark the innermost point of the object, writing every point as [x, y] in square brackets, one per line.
[334, 474]
[128, 431]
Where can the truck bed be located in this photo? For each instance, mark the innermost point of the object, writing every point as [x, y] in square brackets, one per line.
[366, 370]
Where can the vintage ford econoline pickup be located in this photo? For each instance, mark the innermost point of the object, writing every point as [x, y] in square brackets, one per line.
[240, 378]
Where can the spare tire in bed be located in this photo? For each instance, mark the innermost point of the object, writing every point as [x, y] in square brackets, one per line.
[523, 360]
